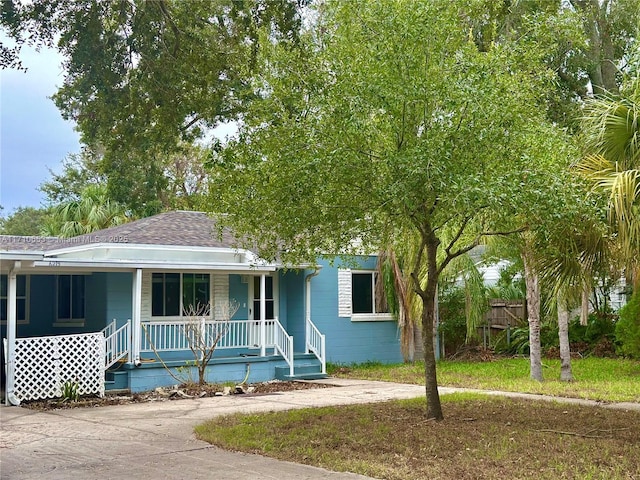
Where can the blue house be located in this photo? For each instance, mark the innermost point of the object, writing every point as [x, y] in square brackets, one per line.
[122, 308]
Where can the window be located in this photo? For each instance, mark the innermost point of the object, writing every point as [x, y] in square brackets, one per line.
[363, 290]
[195, 293]
[70, 298]
[175, 294]
[21, 299]
[357, 296]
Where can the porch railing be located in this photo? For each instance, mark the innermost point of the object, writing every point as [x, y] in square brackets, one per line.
[172, 335]
[315, 343]
[283, 343]
[169, 335]
[117, 342]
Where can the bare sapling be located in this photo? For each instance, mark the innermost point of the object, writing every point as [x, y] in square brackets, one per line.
[203, 331]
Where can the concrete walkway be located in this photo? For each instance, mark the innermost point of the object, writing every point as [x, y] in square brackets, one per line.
[155, 439]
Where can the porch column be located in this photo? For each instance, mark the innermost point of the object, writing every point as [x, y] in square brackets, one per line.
[136, 309]
[10, 398]
[263, 315]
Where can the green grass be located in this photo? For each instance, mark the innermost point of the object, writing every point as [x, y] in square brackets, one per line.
[481, 437]
[601, 379]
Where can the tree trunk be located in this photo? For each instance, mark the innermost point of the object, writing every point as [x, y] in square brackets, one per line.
[584, 304]
[602, 65]
[563, 334]
[533, 310]
[428, 296]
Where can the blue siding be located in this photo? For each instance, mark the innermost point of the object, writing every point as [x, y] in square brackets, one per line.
[107, 296]
[151, 375]
[346, 341]
[119, 295]
[293, 303]
[239, 291]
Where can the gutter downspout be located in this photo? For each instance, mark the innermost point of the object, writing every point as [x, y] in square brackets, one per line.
[12, 327]
[307, 315]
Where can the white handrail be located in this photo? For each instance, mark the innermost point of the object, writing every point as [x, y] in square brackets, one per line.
[283, 343]
[117, 344]
[315, 343]
[109, 329]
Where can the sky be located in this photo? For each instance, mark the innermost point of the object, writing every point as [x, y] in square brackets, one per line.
[33, 135]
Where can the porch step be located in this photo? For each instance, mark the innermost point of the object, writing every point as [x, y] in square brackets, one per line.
[116, 380]
[306, 371]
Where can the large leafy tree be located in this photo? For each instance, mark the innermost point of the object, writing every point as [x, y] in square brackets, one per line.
[388, 123]
[584, 44]
[158, 182]
[143, 75]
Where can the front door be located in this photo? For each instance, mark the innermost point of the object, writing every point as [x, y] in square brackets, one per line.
[255, 312]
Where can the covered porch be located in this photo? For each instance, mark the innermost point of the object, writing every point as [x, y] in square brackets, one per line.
[145, 351]
[138, 288]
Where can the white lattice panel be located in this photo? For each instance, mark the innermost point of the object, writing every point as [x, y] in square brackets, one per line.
[44, 364]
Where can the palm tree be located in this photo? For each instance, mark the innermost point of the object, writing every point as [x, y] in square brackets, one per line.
[92, 211]
[403, 302]
[612, 163]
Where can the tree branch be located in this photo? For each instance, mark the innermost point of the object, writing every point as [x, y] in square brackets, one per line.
[188, 125]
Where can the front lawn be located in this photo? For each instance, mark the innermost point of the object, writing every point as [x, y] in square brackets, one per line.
[480, 438]
[602, 379]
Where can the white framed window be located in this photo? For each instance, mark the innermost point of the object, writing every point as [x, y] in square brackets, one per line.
[176, 294]
[70, 304]
[22, 299]
[357, 296]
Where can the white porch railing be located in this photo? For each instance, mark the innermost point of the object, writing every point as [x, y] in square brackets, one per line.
[163, 336]
[315, 343]
[170, 335]
[283, 343]
[117, 342]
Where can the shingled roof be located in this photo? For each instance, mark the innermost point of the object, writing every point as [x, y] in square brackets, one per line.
[179, 228]
[28, 243]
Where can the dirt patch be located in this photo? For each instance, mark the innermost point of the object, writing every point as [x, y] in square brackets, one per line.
[182, 392]
[493, 438]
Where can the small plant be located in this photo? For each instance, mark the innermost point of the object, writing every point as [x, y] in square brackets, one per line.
[70, 391]
[184, 372]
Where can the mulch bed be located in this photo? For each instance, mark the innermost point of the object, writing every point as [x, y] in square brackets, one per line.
[182, 392]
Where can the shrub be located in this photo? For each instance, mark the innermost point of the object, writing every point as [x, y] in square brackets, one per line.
[453, 322]
[627, 329]
[599, 326]
[519, 339]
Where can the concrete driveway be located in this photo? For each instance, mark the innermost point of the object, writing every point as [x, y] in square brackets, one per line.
[155, 440]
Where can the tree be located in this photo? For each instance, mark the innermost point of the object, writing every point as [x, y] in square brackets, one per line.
[23, 221]
[387, 123]
[142, 75]
[612, 161]
[584, 44]
[93, 211]
[610, 27]
[159, 182]
[78, 172]
[202, 336]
